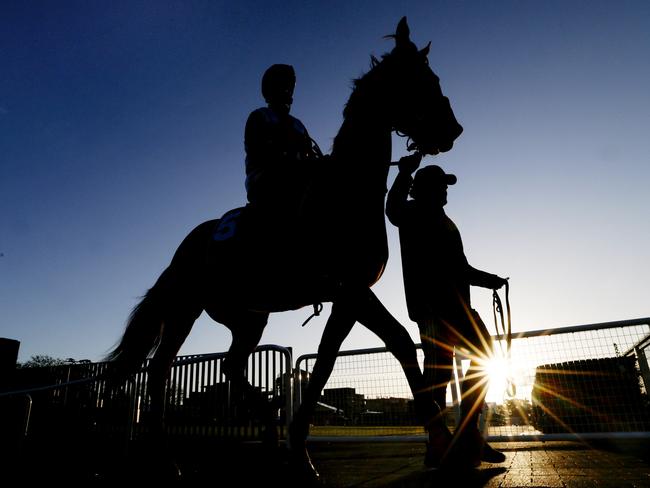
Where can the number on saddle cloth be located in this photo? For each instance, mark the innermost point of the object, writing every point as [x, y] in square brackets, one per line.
[264, 240]
[228, 226]
[247, 225]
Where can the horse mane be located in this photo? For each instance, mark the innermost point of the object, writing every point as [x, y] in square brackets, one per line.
[363, 90]
[363, 84]
[377, 66]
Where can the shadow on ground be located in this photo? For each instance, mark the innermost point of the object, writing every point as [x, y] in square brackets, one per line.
[341, 464]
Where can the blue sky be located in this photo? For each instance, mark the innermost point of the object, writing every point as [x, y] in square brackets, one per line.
[121, 128]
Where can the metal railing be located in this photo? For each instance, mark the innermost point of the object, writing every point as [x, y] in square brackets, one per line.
[580, 381]
[69, 399]
[200, 402]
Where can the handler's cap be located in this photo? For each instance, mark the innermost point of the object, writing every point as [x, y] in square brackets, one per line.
[434, 173]
[430, 175]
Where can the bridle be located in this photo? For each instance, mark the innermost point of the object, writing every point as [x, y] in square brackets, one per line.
[410, 146]
[410, 143]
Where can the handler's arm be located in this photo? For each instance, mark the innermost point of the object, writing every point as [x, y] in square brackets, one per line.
[398, 194]
[486, 280]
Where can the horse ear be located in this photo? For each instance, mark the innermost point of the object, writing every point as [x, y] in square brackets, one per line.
[425, 50]
[373, 61]
[402, 34]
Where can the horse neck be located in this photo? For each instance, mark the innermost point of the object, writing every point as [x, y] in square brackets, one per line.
[360, 157]
[363, 146]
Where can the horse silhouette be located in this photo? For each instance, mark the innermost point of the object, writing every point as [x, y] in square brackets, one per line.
[248, 264]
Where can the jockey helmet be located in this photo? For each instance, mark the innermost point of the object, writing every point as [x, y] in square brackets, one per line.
[278, 84]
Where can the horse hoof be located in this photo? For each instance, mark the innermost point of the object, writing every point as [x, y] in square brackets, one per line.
[302, 469]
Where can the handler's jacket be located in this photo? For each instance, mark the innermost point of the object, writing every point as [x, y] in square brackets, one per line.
[437, 276]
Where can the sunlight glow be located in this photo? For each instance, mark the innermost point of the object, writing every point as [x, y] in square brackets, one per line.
[497, 371]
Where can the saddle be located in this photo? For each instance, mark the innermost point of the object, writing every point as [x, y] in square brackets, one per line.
[269, 255]
[259, 232]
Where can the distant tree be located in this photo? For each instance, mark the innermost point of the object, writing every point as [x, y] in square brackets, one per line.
[43, 361]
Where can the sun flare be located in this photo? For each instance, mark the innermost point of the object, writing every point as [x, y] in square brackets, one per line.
[496, 369]
[498, 372]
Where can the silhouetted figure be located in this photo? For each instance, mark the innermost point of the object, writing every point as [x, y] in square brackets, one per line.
[278, 147]
[437, 279]
[214, 270]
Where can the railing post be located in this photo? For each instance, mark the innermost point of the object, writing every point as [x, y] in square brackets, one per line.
[643, 366]
[8, 358]
[297, 386]
[288, 388]
[455, 384]
[11, 434]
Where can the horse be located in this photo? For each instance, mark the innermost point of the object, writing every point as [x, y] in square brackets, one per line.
[335, 256]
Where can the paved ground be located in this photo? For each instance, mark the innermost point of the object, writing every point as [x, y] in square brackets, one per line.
[529, 464]
[387, 464]
[341, 464]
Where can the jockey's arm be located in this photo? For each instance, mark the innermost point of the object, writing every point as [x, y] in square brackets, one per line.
[258, 139]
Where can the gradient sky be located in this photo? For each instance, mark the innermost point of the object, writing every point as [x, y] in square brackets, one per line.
[121, 128]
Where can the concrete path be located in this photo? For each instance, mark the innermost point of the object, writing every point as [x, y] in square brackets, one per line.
[341, 464]
[528, 464]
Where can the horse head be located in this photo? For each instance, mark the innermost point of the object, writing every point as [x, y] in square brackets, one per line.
[415, 104]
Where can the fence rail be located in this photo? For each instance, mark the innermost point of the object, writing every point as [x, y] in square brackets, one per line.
[586, 381]
[580, 381]
[74, 401]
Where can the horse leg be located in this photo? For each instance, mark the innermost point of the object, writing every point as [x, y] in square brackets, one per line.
[174, 332]
[361, 304]
[338, 327]
[175, 329]
[246, 335]
[379, 320]
[374, 316]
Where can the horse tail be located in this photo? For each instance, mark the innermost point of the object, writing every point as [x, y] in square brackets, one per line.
[143, 329]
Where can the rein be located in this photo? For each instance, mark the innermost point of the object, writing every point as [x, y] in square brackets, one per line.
[410, 145]
[497, 308]
[318, 308]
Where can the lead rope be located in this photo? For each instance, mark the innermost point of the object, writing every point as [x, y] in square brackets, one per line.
[497, 307]
[318, 308]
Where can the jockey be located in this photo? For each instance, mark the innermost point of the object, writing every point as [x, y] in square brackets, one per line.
[278, 147]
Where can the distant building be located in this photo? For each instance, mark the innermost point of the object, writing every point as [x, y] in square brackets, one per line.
[389, 411]
[341, 406]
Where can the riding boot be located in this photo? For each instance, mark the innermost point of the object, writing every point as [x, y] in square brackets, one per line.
[439, 436]
[438, 443]
[469, 449]
[466, 449]
[491, 455]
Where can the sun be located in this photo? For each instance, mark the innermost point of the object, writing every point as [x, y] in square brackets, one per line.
[497, 371]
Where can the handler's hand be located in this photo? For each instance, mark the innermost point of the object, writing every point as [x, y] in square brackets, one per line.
[410, 163]
[498, 282]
